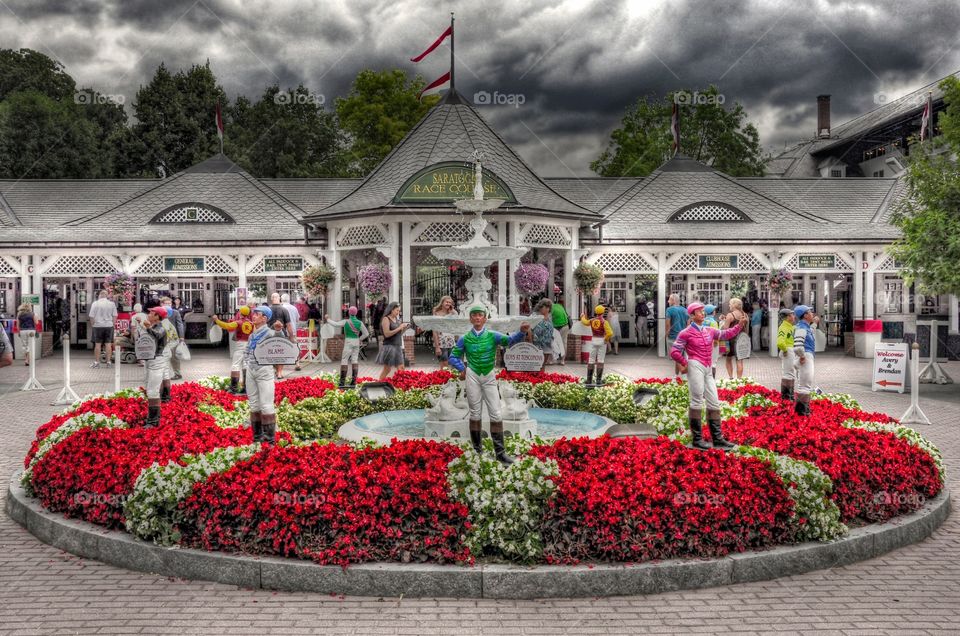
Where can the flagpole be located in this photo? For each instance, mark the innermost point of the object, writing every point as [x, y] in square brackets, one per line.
[452, 86]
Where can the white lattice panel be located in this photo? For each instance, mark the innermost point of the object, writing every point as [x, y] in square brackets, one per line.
[255, 267]
[153, 265]
[538, 234]
[686, 263]
[709, 212]
[451, 233]
[219, 265]
[794, 263]
[192, 213]
[80, 266]
[750, 263]
[8, 270]
[889, 264]
[622, 262]
[361, 235]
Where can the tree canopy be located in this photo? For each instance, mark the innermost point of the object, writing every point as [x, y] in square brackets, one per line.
[929, 216]
[709, 132]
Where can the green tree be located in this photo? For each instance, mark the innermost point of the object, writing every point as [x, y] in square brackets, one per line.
[380, 109]
[929, 214]
[175, 118]
[285, 134]
[709, 132]
[26, 70]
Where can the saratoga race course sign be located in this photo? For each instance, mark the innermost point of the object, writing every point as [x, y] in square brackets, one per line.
[446, 182]
[523, 356]
[276, 350]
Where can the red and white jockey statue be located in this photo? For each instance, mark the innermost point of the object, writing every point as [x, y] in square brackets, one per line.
[693, 351]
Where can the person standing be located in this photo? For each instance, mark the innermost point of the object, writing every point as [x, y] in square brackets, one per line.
[175, 317]
[303, 309]
[443, 342]
[155, 365]
[597, 349]
[677, 319]
[804, 347]
[391, 349]
[642, 313]
[612, 316]
[479, 345]
[169, 350]
[240, 329]
[561, 323]
[693, 351]
[788, 359]
[735, 316]
[543, 332]
[294, 314]
[103, 315]
[260, 381]
[28, 324]
[281, 322]
[756, 324]
[354, 332]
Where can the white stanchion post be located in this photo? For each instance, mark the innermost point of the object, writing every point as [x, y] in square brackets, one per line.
[66, 395]
[914, 415]
[33, 384]
[933, 373]
[116, 368]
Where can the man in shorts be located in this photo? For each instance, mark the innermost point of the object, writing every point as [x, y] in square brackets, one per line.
[103, 316]
[354, 331]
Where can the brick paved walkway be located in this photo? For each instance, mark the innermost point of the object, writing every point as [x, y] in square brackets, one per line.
[43, 590]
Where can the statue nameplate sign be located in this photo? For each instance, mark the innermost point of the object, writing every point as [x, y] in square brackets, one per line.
[145, 348]
[523, 356]
[276, 350]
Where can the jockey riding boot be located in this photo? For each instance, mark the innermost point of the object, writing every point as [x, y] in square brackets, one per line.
[589, 374]
[800, 407]
[153, 413]
[716, 433]
[784, 390]
[476, 435]
[269, 428]
[496, 434]
[234, 382]
[343, 376]
[256, 427]
[697, 430]
[353, 378]
[790, 395]
[165, 392]
[599, 373]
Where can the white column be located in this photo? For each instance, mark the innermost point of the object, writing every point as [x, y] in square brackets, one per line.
[37, 278]
[333, 303]
[241, 270]
[661, 304]
[569, 291]
[953, 314]
[24, 278]
[869, 291]
[395, 264]
[406, 307]
[502, 267]
[552, 268]
[512, 265]
[857, 300]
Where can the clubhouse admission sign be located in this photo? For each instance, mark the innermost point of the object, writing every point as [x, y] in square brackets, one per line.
[446, 182]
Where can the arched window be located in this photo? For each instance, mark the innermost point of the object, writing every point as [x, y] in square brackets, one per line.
[709, 212]
[192, 213]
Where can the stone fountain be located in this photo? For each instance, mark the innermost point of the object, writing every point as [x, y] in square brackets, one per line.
[477, 254]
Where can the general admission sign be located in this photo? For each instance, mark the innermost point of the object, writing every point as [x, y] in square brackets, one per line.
[446, 182]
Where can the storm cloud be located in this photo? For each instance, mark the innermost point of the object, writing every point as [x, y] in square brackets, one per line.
[563, 72]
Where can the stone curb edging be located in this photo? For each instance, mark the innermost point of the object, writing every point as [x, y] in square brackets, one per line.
[121, 549]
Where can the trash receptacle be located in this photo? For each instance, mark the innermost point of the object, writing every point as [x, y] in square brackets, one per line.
[866, 334]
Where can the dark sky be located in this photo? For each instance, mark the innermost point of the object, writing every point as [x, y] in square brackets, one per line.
[575, 65]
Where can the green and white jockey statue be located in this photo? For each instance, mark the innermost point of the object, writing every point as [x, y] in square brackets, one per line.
[480, 347]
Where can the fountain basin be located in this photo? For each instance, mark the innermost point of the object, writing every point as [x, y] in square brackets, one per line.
[479, 256]
[410, 424]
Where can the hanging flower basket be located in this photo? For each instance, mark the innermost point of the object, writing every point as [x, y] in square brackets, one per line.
[780, 281]
[374, 280]
[120, 286]
[739, 286]
[588, 278]
[531, 278]
[316, 280]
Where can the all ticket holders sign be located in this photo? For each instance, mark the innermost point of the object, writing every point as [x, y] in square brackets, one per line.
[890, 366]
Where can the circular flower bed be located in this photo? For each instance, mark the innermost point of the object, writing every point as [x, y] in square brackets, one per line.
[199, 481]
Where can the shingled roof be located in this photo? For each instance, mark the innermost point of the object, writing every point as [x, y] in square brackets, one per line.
[451, 131]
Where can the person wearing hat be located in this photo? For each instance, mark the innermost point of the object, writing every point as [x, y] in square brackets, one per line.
[480, 346]
[260, 380]
[155, 364]
[804, 347]
[354, 331]
[693, 353]
[601, 332]
[788, 371]
[240, 329]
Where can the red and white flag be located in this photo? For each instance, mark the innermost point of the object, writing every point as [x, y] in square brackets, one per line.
[218, 119]
[675, 127]
[430, 48]
[443, 79]
[926, 123]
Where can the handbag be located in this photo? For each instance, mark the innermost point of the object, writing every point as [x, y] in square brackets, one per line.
[182, 351]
